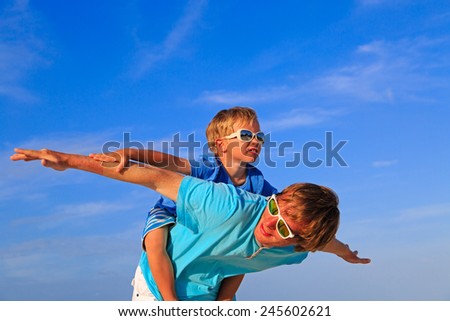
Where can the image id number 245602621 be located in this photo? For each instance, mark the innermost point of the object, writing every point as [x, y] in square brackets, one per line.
[295, 311]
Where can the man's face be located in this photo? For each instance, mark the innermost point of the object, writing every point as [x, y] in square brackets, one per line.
[266, 230]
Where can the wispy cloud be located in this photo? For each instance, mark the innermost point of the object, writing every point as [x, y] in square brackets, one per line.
[425, 212]
[378, 3]
[386, 72]
[62, 214]
[441, 18]
[76, 254]
[21, 51]
[377, 72]
[299, 118]
[384, 163]
[361, 82]
[148, 57]
[18, 178]
[249, 97]
[371, 2]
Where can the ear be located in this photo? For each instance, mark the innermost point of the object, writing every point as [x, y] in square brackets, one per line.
[221, 146]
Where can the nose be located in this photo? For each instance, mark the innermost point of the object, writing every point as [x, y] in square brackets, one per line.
[255, 142]
[271, 222]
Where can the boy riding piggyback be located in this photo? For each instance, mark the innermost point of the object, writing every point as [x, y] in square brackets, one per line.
[235, 138]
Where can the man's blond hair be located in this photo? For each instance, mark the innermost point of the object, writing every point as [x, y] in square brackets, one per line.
[315, 207]
[222, 123]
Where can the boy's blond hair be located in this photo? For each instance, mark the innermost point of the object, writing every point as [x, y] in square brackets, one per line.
[222, 123]
[315, 207]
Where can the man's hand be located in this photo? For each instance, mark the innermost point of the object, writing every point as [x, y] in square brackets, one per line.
[343, 251]
[48, 158]
[352, 256]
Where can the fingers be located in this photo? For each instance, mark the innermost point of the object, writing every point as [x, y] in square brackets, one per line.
[17, 157]
[28, 152]
[25, 154]
[353, 257]
[121, 165]
[109, 161]
[362, 260]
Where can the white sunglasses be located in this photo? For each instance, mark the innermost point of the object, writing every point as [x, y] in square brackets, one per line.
[246, 135]
[282, 226]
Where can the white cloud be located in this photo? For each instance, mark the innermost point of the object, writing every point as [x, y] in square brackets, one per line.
[381, 3]
[148, 57]
[425, 212]
[246, 97]
[371, 2]
[299, 118]
[377, 72]
[361, 82]
[58, 259]
[384, 71]
[20, 180]
[384, 163]
[69, 213]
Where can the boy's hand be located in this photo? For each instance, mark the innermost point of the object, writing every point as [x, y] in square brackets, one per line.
[122, 157]
[48, 158]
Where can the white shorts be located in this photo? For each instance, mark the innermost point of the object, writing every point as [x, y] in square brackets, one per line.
[141, 291]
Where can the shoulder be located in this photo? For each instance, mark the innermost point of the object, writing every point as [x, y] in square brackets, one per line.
[258, 183]
[198, 199]
[193, 188]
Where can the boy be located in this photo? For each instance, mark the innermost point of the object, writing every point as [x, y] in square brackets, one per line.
[235, 138]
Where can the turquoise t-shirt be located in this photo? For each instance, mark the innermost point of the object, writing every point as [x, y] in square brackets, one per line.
[213, 239]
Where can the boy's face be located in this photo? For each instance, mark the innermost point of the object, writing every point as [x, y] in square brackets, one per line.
[266, 230]
[240, 151]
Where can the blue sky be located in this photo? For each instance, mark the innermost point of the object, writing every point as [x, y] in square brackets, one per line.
[374, 73]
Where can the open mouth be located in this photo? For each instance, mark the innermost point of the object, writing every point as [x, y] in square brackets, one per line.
[252, 150]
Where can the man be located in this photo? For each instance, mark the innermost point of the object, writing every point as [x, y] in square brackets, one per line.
[222, 231]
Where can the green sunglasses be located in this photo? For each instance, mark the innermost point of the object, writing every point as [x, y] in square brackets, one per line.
[282, 227]
[246, 135]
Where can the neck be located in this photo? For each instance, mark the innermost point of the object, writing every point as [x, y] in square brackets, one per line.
[236, 170]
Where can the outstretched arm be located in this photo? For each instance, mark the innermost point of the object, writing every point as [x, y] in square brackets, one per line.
[122, 158]
[162, 181]
[343, 250]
